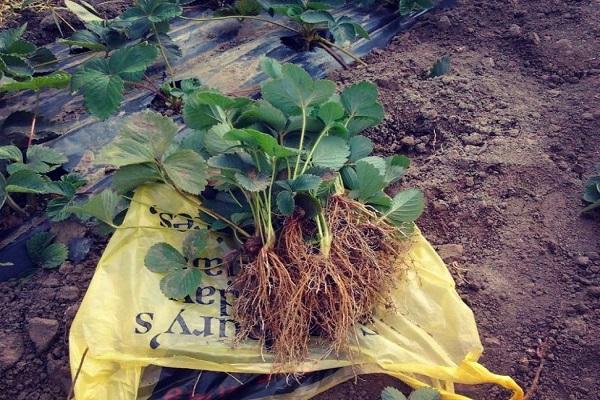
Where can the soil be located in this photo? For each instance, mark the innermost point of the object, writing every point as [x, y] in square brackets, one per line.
[501, 145]
[42, 26]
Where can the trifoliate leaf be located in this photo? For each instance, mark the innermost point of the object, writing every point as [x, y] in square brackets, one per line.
[44, 253]
[296, 90]
[144, 137]
[56, 80]
[205, 108]
[285, 202]
[102, 92]
[162, 258]
[129, 177]
[360, 147]
[332, 153]
[390, 393]
[406, 206]
[187, 170]
[11, 153]
[181, 283]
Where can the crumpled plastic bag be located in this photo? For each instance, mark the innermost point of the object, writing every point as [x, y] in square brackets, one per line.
[125, 324]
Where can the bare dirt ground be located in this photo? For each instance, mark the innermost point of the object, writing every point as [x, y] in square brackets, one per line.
[501, 145]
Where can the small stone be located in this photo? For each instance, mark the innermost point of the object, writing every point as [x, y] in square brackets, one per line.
[534, 38]
[68, 293]
[421, 148]
[451, 252]
[582, 261]
[11, 349]
[588, 116]
[408, 141]
[564, 44]
[473, 139]
[51, 282]
[489, 62]
[42, 332]
[514, 30]
[492, 341]
[444, 23]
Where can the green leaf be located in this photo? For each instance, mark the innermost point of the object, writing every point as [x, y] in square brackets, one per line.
[331, 112]
[390, 393]
[271, 67]
[26, 181]
[44, 154]
[11, 153]
[316, 17]
[187, 170]
[44, 253]
[181, 283]
[305, 182]
[360, 101]
[360, 147]
[285, 202]
[195, 244]
[16, 66]
[130, 177]
[162, 258]
[102, 92]
[296, 90]
[425, 394]
[144, 137]
[84, 39]
[56, 80]
[396, 167]
[253, 181]
[200, 113]
[229, 161]
[332, 153]
[263, 141]
[369, 178]
[308, 203]
[9, 36]
[132, 60]
[102, 206]
[406, 206]
[263, 111]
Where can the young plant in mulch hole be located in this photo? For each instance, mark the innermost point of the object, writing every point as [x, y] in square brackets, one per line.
[404, 7]
[291, 181]
[390, 393]
[174, 94]
[130, 43]
[312, 23]
[591, 193]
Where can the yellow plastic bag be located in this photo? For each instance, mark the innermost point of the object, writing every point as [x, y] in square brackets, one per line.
[125, 323]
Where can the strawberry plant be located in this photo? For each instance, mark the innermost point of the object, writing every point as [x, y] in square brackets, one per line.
[591, 193]
[27, 174]
[390, 393]
[312, 22]
[291, 180]
[44, 252]
[20, 59]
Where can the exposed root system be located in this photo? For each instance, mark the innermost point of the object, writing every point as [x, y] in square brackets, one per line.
[292, 292]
